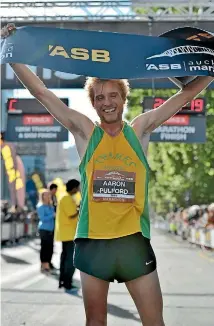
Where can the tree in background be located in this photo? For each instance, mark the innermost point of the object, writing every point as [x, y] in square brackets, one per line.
[181, 174]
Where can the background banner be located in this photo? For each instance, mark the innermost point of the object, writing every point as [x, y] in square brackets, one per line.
[109, 55]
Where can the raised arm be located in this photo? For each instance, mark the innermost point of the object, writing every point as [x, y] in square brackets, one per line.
[74, 121]
[145, 123]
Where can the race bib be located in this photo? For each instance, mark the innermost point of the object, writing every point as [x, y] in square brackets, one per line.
[114, 186]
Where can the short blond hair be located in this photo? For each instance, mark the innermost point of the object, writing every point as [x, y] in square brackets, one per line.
[92, 81]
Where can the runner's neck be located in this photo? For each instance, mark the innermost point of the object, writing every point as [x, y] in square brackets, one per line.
[113, 129]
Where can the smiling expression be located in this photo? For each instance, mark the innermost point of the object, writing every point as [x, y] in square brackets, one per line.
[108, 102]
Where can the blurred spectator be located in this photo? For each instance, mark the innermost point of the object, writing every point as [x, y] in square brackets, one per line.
[193, 214]
[210, 222]
[66, 222]
[53, 189]
[172, 224]
[46, 216]
[5, 207]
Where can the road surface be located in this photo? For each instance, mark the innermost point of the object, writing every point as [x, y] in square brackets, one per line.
[32, 299]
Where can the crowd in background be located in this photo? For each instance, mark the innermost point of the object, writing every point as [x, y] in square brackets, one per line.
[57, 222]
[14, 213]
[198, 217]
[17, 223]
[53, 219]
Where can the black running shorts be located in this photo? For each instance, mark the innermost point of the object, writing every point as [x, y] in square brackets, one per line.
[122, 259]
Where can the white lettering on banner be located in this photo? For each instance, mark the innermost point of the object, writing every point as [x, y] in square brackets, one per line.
[164, 136]
[176, 133]
[38, 129]
[47, 135]
[200, 62]
[176, 129]
[35, 135]
[163, 66]
[7, 49]
[22, 129]
[38, 132]
[46, 129]
[30, 135]
[204, 65]
[7, 55]
[206, 68]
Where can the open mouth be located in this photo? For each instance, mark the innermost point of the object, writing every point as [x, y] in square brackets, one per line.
[109, 110]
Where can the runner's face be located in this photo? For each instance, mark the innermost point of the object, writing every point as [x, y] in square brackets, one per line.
[108, 102]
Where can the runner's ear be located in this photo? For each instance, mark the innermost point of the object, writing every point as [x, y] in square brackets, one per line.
[193, 34]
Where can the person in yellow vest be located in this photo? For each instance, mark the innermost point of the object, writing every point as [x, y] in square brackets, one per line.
[65, 228]
[112, 241]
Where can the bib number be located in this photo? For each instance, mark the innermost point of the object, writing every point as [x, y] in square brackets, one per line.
[114, 186]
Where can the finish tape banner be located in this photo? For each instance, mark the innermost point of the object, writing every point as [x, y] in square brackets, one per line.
[112, 55]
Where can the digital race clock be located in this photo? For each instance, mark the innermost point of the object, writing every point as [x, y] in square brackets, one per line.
[196, 106]
[27, 105]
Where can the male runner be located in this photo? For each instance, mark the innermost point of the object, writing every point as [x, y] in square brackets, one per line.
[113, 233]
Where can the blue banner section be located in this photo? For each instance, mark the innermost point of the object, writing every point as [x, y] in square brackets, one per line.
[108, 55]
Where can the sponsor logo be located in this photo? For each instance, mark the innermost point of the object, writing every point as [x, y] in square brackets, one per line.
[149, 262]
[79, 53]
[33, 120]
[184, 49]
[163, 66]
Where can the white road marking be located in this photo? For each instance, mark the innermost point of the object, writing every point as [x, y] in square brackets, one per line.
[16, 276]
[29, 282]
[20, 250]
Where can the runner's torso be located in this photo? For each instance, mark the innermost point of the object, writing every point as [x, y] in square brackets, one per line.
[114, 181]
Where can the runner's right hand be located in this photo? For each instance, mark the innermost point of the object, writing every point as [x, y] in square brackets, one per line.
[7, 30]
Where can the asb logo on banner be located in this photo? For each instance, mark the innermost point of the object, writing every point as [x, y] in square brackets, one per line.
[187, 65]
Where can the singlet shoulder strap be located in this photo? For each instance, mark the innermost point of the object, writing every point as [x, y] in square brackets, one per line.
[94, 141]
[131, 137]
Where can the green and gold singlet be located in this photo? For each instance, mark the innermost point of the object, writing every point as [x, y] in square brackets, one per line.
[114, 185]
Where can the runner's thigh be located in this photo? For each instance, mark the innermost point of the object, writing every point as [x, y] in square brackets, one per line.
[147, 296]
